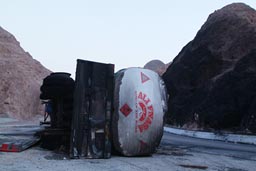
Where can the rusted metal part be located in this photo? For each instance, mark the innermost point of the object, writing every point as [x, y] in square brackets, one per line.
[93, 96]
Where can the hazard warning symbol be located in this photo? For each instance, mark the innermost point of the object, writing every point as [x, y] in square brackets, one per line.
[126, 110]
[144, 78]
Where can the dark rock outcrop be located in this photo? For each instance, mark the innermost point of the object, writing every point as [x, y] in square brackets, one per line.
[21, 77]
[212, 81]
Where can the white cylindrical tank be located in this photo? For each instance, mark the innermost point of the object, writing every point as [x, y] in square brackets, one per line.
[140, 102]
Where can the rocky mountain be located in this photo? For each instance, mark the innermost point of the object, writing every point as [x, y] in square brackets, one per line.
[212, 81]
[157, 66]
[21, 77]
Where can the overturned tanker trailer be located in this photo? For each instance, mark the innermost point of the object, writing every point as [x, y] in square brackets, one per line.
[126, 110]
[140, 103]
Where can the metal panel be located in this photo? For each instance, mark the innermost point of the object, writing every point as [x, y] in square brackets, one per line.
[90, 136]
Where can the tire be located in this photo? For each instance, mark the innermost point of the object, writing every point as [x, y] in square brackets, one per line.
[62, 79]
[57, 91]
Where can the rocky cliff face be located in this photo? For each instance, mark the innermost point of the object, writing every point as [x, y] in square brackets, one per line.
[21, 77]
[212, 81]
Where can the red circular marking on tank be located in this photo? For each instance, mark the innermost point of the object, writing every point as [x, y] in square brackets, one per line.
[147, 112]
[143, 113]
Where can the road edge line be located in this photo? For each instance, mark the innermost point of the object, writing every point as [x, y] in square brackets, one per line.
[235, 138]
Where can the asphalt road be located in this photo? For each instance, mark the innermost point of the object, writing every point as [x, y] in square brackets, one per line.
[174, 153]
[242, 151]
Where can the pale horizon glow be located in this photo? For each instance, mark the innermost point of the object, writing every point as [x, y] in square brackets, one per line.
[125, 33]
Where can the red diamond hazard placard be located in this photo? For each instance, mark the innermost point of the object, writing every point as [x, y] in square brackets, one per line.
[126, 110]
[144, 78]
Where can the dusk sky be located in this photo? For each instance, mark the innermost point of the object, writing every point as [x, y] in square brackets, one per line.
[126, 33]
